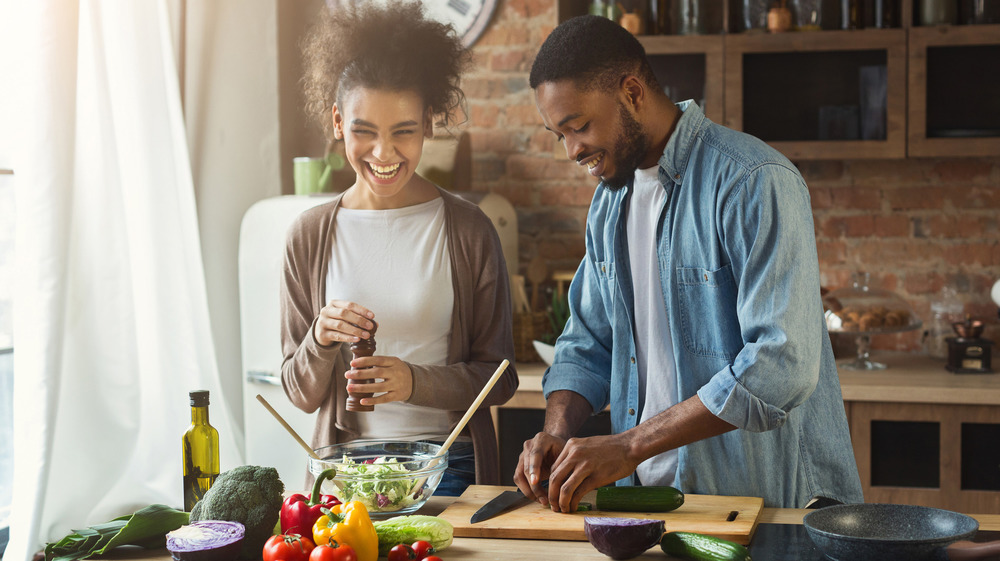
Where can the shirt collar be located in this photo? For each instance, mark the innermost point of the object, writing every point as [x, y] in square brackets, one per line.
[681, 142]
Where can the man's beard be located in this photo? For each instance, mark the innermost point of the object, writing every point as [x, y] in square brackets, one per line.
[630, 147]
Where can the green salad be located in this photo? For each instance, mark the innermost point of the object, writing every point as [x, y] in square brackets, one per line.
[382, 485]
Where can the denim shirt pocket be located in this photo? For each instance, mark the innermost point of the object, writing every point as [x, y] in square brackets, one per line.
[605, 271]
[707, 301]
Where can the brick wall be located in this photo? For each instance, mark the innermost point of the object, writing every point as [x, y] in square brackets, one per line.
[914, 224]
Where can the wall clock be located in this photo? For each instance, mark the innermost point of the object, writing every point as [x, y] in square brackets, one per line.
[469, 17]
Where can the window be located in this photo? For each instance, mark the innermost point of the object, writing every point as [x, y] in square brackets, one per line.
[6, 351]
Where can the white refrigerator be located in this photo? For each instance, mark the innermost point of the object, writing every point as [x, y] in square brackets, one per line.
[261, 255]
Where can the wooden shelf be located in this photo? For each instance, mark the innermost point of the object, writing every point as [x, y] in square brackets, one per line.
[912, 90]
[983, 86]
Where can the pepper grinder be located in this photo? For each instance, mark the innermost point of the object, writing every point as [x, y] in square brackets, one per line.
[364, 347]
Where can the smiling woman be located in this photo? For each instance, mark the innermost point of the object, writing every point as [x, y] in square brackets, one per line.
[394, 248]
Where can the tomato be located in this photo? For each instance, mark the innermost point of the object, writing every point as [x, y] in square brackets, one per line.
[423, 549]
[432, 558]
[333, 552]
[401, 552]
[287, 547]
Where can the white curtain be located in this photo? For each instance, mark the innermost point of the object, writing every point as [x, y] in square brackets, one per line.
[111, 322]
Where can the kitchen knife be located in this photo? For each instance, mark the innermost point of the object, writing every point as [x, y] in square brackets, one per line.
[498, 504]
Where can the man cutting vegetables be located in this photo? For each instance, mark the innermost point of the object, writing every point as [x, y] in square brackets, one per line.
[696, 312]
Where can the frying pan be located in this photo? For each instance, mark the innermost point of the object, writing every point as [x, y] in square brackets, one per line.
[889, 532]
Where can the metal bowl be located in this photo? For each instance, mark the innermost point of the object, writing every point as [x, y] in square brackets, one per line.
[391, 477]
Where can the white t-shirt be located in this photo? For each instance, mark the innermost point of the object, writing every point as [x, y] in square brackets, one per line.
[396, 263]
[654, 349]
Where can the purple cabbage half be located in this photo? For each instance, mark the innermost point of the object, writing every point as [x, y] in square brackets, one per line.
[622, 538]
[206, 540]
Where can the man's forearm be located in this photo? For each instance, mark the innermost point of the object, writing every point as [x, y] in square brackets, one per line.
[565, 413]
[686, 422]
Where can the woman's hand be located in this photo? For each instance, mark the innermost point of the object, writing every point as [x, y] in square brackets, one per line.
[397, 379]
[341, 321]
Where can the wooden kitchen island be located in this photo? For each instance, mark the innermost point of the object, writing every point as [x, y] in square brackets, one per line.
[921, 435]
[495, 549]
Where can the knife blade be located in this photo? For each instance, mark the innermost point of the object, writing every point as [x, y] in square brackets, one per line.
[503, 501]
[500, 503]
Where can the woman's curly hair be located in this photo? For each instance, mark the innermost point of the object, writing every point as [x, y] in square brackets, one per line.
[390, 48]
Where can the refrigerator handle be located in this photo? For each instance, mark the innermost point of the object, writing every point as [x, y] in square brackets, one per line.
[263, 377]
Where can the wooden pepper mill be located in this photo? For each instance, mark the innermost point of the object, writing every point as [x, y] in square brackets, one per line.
[364, 347]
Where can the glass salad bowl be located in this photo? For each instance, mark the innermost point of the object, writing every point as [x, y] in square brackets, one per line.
[391, 477]
[864, 311]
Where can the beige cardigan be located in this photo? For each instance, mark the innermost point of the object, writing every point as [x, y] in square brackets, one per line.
[481, 334]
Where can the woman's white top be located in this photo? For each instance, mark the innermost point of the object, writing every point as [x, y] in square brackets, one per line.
[395, 262]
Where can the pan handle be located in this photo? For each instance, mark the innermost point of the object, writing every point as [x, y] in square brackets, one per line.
[967, 551]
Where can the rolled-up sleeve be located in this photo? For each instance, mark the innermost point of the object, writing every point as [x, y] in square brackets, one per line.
[771, 244]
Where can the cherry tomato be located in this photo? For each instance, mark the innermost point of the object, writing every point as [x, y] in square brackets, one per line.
[432, 558]
[287, 547]
[423, 549]
[401, 552]
[333, 552]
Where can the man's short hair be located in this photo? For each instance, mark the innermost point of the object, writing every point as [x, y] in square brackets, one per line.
[592, 51]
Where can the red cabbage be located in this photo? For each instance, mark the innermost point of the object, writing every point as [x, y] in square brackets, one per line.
[206, 540]
[622, 538]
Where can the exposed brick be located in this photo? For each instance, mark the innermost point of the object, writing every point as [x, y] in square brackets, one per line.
[935, 226]
[514, 60]
[519, 195]
[874, 254]
[497, 141]
[562, 249]
[522, 115]
[963, 170]
[504, 35]
[981, 197]
[917, 198]
[856, 226]
[892, 226]
[859, 198]
[575, 194]
[821, 170]
[891, 172]
[487, 168]
[542, 168]
[924, 283]
[831, 252]
[527, 8]
[484, 115]
[481, 87]
[970, 254]
[820, 198]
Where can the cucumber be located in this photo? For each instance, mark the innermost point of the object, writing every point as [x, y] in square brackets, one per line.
[699, 547]
[638, 499]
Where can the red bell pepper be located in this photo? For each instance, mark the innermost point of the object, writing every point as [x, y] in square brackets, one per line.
[299, 513]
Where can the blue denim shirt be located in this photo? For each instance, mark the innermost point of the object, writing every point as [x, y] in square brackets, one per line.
[740, 279]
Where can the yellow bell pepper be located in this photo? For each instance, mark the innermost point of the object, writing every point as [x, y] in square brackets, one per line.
[349, 524]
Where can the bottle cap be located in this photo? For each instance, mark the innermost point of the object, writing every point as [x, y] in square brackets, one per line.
[199, 398]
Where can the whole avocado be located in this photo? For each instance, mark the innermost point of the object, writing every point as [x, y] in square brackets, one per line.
[250, 495]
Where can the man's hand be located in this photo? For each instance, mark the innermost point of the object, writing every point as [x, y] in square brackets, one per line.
[533, 465]
[586, 464]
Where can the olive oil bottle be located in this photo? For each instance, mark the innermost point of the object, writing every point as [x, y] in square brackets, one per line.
[200, 445]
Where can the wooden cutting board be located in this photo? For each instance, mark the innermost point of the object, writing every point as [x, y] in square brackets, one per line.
[731, 518]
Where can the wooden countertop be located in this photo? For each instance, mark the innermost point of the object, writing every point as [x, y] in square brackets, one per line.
[909, 378]
[482, 549]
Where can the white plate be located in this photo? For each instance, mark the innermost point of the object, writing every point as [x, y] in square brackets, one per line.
[546, 351]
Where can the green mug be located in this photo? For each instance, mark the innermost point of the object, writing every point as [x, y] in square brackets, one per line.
[309, 177]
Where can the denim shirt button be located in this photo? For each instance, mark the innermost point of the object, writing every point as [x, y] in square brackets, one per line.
[633, 360]
[631, 411]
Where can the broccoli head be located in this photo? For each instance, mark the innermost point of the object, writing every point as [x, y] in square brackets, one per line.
[250, 495]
